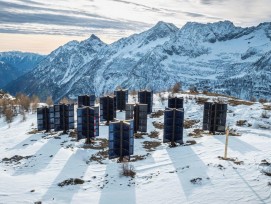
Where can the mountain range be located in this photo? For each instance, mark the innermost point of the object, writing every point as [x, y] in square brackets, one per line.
[15, 64]
[218, 57]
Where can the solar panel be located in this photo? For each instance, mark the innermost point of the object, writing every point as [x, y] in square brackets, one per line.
[140, 118]
[129, 111]
[52, 117]
[138, 112]
[63, 117]
[175, 102]
[214, 117]
[87, 126]
[121, 99]
[86, 100]
[173, 125]
[43, 119]
[121, 139]
[146, 97]
[107, 108]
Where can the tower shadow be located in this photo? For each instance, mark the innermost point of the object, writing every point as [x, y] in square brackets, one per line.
[42, 158]
[75, 167]
[188, 166]
[237, 144]
[117, 188]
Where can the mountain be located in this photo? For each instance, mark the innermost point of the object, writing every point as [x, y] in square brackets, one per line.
[6, 71]
[15, 64]
[216, 56]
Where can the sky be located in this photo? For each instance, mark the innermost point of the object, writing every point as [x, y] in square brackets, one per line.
[43, 25]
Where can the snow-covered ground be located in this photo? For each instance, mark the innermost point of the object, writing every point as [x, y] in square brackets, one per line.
[184, 174]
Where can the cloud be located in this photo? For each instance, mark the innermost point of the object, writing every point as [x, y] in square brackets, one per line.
[119, 17]
[13, 14]
[208, 2]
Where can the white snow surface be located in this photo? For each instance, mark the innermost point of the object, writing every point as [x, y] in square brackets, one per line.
[163, 177]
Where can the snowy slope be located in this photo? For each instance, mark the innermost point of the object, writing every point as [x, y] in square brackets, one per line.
[164, 176]
[205, 55]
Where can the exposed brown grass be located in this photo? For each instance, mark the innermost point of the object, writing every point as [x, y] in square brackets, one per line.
[190, 142]
[157, 114]
[135, 158]
[99, 156]
[127, 170]
[154, 134]
[33, 131]
[151, 145]
[140, 135]
[233, 132]
[73, 133]
[267, 107]
[99, 144]
[190, 123]
[241, 122]
[196, 133]
[234, 160]
[71, 181]
[158, 125]
[201, 100]
[233, 102]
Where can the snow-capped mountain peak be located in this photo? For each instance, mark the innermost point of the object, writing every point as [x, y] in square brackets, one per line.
[214, 56]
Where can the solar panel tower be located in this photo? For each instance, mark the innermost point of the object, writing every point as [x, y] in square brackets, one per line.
[63, 117]
[121, 99]
[214, 117]
[44, 119]
[175, 102]
[86, 100]
[107, 108]
[173, 126]
[146, 97]
[121, 139]
[87, 123]
[138, 112]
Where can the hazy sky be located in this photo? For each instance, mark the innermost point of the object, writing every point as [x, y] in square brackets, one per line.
[43, 25]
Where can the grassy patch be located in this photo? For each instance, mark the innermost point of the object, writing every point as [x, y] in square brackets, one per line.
[158, 125]
[99, 156]
[233, 102]
[15, 159]
[190, 123]
[241, 122]
[140, 135]
[190, 142]
[234, 160]
[33, 131]
[265, 107]
[151, 145]
[99, 144]
[157, 114]
[127, 170]
[153, 134]
[196, 133]
[71, 181]
[135, 158]
[201, 100]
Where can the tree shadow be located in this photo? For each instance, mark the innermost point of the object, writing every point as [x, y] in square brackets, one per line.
[42, 158]
[117, 188]
[236, 144]
[188, 166]
[75, 167]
